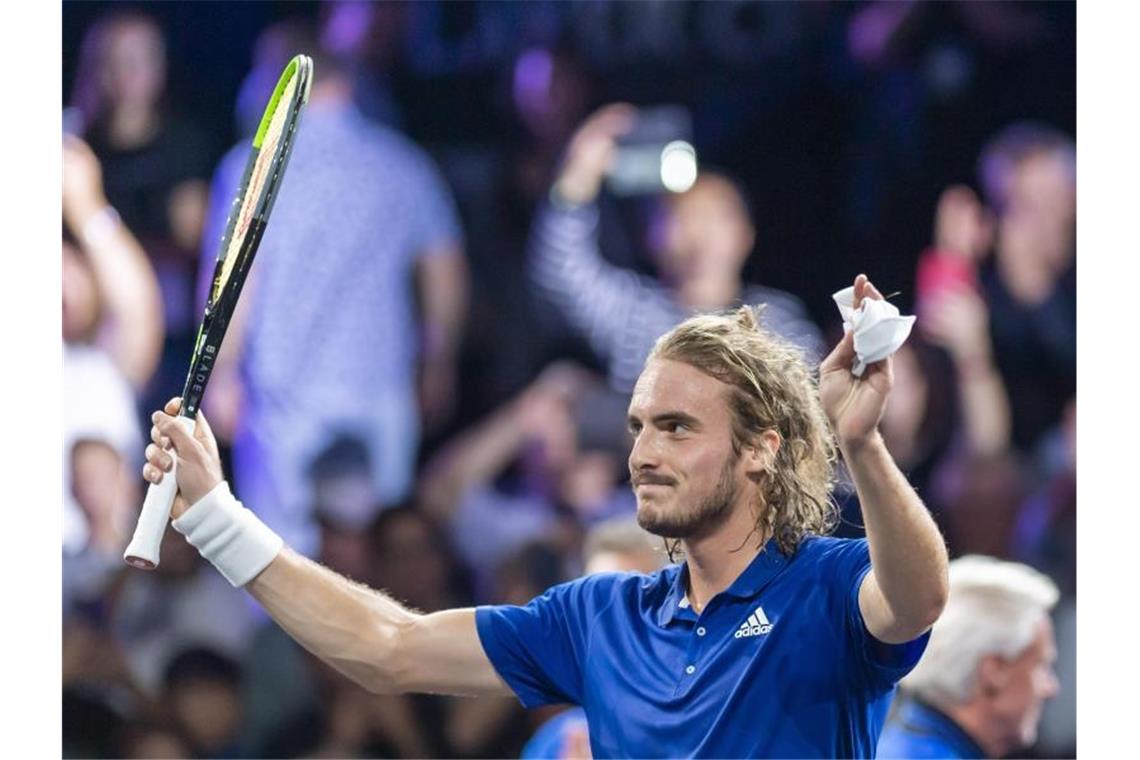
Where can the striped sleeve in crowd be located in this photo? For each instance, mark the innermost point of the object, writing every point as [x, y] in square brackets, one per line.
[619, 312]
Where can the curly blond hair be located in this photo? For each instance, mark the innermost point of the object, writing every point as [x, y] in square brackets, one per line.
[771, 387]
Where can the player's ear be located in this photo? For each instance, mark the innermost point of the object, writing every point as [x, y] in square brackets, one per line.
[760, 453]
[992, 675]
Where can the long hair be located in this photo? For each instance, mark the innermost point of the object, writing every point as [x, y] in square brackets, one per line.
[770, 388]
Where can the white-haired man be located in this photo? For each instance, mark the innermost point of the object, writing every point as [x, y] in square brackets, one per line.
[988, 669]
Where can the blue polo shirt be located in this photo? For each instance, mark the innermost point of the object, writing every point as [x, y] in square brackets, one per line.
[778, 665]
[921, 731]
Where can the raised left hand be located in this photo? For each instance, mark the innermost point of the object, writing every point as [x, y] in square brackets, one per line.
[82, 183]
[854, 405]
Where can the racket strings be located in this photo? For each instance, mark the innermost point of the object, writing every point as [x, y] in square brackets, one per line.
[265, 159]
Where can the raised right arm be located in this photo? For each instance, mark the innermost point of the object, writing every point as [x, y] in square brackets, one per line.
[361, 632]
[564, 258]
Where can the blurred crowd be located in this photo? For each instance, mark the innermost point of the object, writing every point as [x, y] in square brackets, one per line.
[425, 384]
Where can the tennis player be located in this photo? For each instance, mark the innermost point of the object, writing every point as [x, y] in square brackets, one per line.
[769, 639]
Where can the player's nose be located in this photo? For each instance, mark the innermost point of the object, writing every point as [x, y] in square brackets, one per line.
[642, 455]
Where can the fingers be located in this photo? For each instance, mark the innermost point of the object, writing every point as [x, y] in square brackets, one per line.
[159, 458]
[157, 436]
[864, 289]
[842, 356]
[202, 429]
[180, 438]
[172, 407]
[614, 118]
[153, 473]
[860, 287]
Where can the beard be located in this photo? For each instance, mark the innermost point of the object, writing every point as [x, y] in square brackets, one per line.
[710, 511]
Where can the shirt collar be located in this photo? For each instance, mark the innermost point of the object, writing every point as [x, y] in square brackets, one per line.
[763, 568]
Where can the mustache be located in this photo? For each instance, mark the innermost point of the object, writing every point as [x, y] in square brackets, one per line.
[651, 479]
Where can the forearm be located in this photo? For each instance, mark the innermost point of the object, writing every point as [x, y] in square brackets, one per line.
[133, 326]
[353, 628]
[475, 457]
[985, 406]
[362, 633]
[567, 266]
[908, 555]
[444, 284]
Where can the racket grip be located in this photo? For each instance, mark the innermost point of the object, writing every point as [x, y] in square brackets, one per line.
[143, 550]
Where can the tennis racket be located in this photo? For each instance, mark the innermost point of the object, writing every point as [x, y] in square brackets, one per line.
[248, 218]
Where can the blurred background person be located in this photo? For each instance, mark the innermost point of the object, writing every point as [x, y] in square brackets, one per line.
[1029, 173]
[351, 320]
[617, 545]
[499, 181]
[543, 466]
[156, 163]
[988, 669]
[704, 237]
[112, 335]
[365, 36]
[202, 695]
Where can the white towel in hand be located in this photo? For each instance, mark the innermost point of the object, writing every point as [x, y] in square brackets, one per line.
[879, 328]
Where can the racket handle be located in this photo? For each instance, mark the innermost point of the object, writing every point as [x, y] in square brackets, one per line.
[143, 550]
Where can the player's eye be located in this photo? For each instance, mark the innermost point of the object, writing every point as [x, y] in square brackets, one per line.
[677, 427]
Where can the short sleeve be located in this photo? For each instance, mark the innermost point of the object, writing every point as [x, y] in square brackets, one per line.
[883, 664]
[539, 649]
[434, 221]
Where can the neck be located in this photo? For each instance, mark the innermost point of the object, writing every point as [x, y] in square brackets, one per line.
[717, 558]
[333, 92]
[708, 293]
[973, 718]
[131, 126]
[1027, 283]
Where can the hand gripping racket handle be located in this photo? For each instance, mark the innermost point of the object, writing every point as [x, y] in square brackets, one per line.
[143, 550]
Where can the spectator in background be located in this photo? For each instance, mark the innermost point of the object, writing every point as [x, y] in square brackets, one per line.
[112, 334]
[365, 36]
[705, 239]
[988, 669]
[566, 477]
[327, 715]
[155, 615]
[1029, 174]
[980, 480]
[156, 162]
[618, 545]
[954, 317]
[498, 184]
[918, 424]
[327, 341]
[275, 45]
[146, 740]
[203, 696]
[413, 561]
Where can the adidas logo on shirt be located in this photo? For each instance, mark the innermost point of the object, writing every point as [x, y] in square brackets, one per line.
[756, 625]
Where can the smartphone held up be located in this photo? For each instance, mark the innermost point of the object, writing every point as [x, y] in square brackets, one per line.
[656, 155]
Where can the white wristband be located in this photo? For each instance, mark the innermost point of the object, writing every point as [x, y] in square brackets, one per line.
[227, 534]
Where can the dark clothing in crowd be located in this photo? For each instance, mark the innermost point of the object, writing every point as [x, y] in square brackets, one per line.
[1036, 352]
[139, 181]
